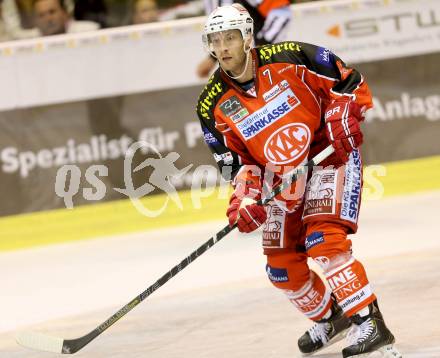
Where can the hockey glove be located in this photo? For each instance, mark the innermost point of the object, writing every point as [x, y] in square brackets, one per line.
[243, 210]
[343, 131]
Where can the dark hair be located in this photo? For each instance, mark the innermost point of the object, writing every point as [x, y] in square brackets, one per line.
[61, 2]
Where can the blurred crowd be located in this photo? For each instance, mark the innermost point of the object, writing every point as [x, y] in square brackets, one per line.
[22, 19]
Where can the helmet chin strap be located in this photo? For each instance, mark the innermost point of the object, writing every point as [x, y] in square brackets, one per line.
[245, 67]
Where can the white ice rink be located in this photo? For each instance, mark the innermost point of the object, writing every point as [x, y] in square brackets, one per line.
[222, 305]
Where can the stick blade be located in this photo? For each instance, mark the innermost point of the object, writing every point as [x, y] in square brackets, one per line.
[40, 342]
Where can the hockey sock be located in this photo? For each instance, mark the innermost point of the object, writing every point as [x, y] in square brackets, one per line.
[350, 286]
[313, 299]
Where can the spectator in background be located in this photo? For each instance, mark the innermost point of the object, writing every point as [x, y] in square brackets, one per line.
[91, 10]
[52, 18]
[4, 36]
[145, 11]
[271, 19]
[10, 24]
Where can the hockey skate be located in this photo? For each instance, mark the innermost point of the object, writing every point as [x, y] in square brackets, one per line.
[324, 332]
[369, 336]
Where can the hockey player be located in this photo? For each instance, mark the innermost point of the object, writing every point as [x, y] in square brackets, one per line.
[265, 111]
[271, 19]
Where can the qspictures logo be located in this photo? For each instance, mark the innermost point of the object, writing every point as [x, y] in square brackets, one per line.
[164, 169]
[73, 181]
[164, 172]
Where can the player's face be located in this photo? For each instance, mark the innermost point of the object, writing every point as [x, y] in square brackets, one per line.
[228, 47]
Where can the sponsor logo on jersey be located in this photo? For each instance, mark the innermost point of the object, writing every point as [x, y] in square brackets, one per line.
[320, 192]
[272, 233]
[268, 114]
[285, 68]
[314, 239]
[209, 137]
[288, 143]
[273, 230]
[266, 52]
[277, 274]
[231, 106]
[324, 56]
[275, 90]
[225, 157]
[352, 188]
[205, 103]
[242, 113]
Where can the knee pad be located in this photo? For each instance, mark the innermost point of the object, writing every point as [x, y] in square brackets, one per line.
[325, 241]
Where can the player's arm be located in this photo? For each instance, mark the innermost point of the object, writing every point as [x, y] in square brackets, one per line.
[331, 77]
[227, 160]
[247, 185]
[246, 177]
[343, 94]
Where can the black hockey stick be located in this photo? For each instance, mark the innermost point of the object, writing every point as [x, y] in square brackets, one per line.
[47, 343]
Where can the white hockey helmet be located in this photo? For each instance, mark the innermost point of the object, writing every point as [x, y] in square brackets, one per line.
[228, 17]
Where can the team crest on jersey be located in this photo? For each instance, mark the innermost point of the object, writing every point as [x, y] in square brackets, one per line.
[276, 109]
[288, 143]
[275, 90]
